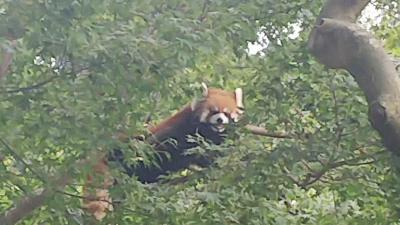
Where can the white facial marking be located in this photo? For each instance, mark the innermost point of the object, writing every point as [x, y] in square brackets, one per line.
[203, 116]
[218, 121]
[219, 118]
[193, 105]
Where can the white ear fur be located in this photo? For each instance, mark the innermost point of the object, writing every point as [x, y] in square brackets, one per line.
[239, 98]
[205, 89]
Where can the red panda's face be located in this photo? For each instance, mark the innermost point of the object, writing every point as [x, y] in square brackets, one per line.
[219, 107]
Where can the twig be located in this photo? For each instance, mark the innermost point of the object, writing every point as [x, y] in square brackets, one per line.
[291, 176]
[90, 198]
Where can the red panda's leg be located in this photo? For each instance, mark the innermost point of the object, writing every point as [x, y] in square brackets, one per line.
[97, 200]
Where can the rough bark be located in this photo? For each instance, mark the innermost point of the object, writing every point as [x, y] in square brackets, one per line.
[338, 43]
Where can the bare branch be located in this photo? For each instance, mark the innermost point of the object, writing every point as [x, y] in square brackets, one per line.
[264, 132]
[291, 176]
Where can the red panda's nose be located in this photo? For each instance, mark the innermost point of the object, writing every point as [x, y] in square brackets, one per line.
[218, 119]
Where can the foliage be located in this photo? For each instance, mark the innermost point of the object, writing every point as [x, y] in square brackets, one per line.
[84, 70]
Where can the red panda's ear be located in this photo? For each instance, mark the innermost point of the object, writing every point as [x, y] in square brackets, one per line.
[205, 89]
[239, 98]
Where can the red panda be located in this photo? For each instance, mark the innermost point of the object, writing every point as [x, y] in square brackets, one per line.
[206, 117]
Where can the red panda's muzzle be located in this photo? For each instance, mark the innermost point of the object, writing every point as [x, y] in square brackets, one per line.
[218, 122]
[218, 108]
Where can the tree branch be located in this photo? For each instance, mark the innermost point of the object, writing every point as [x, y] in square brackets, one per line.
[91, 198]
[338, 43]
[24, 207]
[28, 204]
[32, 87]
[264, 132]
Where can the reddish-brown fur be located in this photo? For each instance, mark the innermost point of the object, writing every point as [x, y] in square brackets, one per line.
[183, 122]
[178, 127]
[175, 119]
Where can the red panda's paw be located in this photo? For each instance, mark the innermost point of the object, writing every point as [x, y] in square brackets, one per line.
[100, 205]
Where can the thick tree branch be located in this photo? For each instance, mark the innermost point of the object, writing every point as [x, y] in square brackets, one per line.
[54, 185]
[28, 204]
[24, 207]
[338, 43]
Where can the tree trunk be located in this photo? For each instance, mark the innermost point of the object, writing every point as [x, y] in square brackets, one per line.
[338, 43]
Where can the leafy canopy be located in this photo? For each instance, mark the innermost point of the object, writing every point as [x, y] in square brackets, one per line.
[84, 69]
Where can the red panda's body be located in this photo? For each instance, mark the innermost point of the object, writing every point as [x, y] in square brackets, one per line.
[206, 117]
